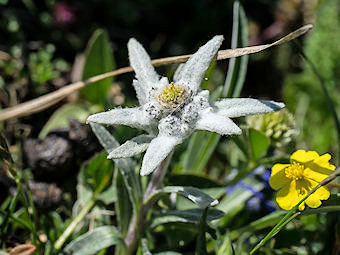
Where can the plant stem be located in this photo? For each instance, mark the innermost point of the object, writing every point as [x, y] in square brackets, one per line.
[68, 231]
[136, 226]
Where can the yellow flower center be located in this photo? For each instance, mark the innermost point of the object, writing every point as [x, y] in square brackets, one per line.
[172, 96]
[295, 171]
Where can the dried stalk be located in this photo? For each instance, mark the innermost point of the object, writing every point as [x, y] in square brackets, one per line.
[45, 101]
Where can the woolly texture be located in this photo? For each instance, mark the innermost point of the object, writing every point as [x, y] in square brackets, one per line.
[172, 112]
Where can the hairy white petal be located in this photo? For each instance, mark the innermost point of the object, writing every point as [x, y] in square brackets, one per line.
[177, 74]
[237, 107]
[132, 147]
[140, 92]
[132, 117]
[214, 122]
[141, 64]
[158, 150]
[191, 74]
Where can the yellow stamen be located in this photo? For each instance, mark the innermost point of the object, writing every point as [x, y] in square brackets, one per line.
[295, 171]
[172, 96]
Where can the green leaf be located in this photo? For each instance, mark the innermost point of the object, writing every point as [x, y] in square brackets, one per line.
[264, 222]
[186, 216]
[60, 117]
[126, 166]
[233, 203]
[237, 68]
[123, 206]
[195, 195]
[259, 143]
[201, 146]
[201, 246]
[183, 204]
[94, 241]
[98, 60]
[226, 248]
[92, 174]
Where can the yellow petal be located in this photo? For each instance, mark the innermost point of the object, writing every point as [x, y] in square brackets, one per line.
[314, 174]
[278, 178]
[304, 156]
[288, 196]
[321, 193]
[323, 162]
[302, 206]
[319, 168]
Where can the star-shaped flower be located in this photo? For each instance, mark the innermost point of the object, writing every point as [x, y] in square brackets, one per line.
[170, 112]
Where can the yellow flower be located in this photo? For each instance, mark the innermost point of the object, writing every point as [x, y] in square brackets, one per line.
[295, 180]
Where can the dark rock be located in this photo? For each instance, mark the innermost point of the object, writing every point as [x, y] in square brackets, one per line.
[59, 154]
[49, 159]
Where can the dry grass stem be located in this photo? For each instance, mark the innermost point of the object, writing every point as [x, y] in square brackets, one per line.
[45, 101]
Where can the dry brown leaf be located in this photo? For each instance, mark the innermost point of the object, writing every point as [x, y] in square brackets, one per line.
[22, 249]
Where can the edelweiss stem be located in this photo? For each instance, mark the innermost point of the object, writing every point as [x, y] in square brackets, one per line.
[137, 222]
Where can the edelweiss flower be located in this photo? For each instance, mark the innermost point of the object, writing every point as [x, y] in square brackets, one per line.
[170, 112]
[296, 179]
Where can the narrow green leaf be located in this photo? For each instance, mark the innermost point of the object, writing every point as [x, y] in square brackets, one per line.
[94, 241]
[186, 216]
[259, 143]
[201, 246]
[226, 248]
[123, 206]
[237, 68]
[264, 222]
[126, 166]
[98, 60]
[201, 146]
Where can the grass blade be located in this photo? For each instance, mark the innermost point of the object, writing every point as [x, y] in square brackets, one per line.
[237, 68]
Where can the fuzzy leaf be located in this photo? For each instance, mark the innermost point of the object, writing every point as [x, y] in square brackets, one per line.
[132, 147]
[186, 216]
[94, 241]
[195, 195]
[191, 74]
[237, 107]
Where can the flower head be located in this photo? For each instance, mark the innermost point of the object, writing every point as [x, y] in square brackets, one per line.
[170, 112]
[296, 179]
[278, 126]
